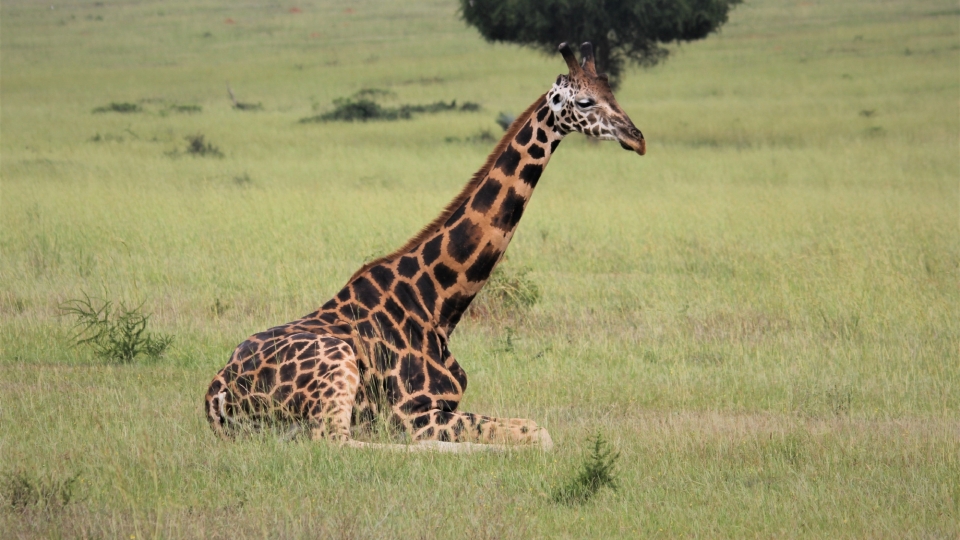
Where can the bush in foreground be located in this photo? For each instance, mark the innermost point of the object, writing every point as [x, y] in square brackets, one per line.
[596, 472]
[115, 333]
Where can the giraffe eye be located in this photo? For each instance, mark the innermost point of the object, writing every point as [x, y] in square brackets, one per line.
[585, 103]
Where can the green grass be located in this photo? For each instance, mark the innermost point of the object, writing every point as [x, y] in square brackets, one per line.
[760, 315]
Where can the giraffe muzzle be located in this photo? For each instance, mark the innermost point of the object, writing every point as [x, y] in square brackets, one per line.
[634, 142]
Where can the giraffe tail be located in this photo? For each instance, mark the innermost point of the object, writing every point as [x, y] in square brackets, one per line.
[214, 404]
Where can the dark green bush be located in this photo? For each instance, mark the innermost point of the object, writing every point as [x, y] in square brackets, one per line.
[115, 333]
[596, 472]
[507, 291]
[20, 491]
[484, 137]
[188, 109]
[504, 120]
[363, 106]
[198, 146]
[119, 108]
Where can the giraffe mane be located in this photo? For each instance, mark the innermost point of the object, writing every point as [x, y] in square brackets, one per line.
[464, 194]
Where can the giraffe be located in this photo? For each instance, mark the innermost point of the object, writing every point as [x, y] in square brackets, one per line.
[380, 345]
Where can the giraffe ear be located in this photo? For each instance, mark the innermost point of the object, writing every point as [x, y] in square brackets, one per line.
[556, 102]
[556, 97]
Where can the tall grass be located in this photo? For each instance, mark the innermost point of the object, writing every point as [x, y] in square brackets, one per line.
[760, 314]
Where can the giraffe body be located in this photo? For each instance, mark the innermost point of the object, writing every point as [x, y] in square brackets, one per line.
[380, 345]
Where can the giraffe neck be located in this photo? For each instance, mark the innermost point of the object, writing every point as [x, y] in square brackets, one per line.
[451, 259]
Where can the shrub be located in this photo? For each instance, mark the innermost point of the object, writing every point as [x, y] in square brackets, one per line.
[241, 106]
[507, 290]
[197, 146]
[596, 472]
[484, 137]
[363, 106]
[513, 287]
[243, 180]
[373, 93]
[20, 491]
[188, 109]
[118, 108]
[219, 308]
[356, 109]
[115, 333]
[504, 120]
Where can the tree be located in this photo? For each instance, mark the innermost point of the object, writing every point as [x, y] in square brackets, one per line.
[621, 30]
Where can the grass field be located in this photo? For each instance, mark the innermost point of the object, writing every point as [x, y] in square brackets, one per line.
[761, 315]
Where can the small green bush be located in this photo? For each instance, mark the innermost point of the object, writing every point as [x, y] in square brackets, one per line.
[355, 109]
[508, 290]
[241, 106]
[363, 107]
[116, 333]
[514, 287]
[219, 308]
[504, 120]
[243, 180]
[197, 146]
[118, 108]
[596, 472]
[483, 136]
[187, 109]
[20, 491]
[373, 93]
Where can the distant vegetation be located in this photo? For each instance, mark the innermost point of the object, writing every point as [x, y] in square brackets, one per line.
[504, 119]
[197, 145]
[119, 108]
[241, 105]
[163, 109]
[363, 106]
[189, 109]
[484, 136]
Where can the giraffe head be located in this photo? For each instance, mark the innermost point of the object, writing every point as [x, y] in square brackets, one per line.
[582, 101]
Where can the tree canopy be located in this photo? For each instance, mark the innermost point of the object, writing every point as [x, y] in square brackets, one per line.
[621, 31]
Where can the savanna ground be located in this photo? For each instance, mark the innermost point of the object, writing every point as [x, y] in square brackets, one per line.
[761, 315]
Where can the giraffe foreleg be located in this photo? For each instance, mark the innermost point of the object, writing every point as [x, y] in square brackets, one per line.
[463, 427]
[337, 383]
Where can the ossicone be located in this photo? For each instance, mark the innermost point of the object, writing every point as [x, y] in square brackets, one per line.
[587, 65]
[570, 59]
[586, 54]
